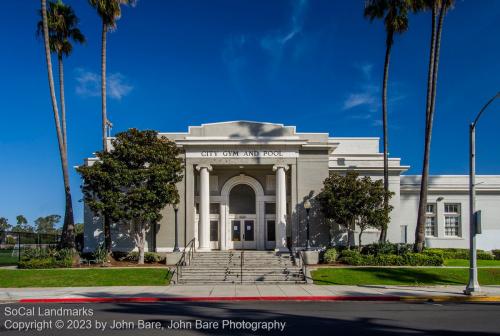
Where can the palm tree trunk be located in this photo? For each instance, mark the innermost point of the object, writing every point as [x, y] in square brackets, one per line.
[429, 117]
[63, 102]
[103, 87]
[383, 232]
[67, 236]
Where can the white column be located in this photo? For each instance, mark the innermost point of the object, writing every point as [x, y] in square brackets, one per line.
[204, 222]
[280, 207]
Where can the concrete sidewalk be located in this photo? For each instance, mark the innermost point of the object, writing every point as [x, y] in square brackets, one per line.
[300, 292]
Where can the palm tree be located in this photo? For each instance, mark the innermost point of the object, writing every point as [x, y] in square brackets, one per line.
[439, 9]
[58, 26]
[62, 23]
[395, 15]
[110, 12]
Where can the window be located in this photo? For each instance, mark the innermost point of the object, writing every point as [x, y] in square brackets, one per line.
[270, 183]
[271, 230]
[214, 230]
[430, 220]
[452, 220]
[270, 208]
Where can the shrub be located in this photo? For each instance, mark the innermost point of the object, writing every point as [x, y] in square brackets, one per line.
[330, 255]
[456, 253]
[496, 253]
[386, 248]
[100, 254]
[149, 257]
[9, 240]
[355, 258]
[46, 258]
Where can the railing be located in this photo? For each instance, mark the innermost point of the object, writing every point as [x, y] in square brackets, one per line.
[241, 266]
[302, 264]
[186, 258]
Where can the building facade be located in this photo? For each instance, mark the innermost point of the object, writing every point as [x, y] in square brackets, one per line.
[245, 184]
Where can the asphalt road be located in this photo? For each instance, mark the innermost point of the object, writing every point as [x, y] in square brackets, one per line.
[289, 318]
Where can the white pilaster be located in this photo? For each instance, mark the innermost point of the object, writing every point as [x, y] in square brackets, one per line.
[281, 207]
[204, 222]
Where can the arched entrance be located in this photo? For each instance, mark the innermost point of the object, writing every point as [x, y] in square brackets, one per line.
[242, 214]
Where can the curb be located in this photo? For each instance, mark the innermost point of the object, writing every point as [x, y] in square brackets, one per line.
[384, 298]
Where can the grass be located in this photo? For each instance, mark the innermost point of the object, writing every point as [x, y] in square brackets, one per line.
[6, 257]
[465, 263]
[84, 277]
[402, 276]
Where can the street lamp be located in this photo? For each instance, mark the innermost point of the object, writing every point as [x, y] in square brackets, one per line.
[473, 285]
[176, 244]
[307, 206]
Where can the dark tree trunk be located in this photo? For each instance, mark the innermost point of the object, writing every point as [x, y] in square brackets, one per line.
[383, 232]
[429, 119]
[107, 234]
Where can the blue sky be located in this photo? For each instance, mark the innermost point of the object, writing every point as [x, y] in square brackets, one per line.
[316, 64]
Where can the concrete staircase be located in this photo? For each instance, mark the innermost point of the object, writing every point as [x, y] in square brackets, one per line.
[237, 267]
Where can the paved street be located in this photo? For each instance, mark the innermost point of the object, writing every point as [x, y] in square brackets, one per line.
[304, 318]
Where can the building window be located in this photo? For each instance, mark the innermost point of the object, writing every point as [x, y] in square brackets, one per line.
[430, 220]
[270, 183]
[452, 220]
[214, 230]
[271, 230]
[270, 208]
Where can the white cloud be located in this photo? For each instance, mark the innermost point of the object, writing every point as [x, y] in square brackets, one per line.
[358, 99]
[89, 84]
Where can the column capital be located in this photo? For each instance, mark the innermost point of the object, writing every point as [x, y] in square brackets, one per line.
[201, 166]
[278, 166]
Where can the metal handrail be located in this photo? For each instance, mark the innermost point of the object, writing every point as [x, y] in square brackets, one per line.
[191, 249]
[303, 264]
[241, 266]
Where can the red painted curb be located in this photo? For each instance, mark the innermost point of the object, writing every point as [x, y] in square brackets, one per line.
[211, 299]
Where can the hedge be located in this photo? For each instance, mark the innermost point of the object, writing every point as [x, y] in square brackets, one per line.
[355, 258]
[330, 255]
[149, 257]
[456, 253]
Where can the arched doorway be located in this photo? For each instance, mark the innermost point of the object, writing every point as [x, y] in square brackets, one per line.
[242, 214]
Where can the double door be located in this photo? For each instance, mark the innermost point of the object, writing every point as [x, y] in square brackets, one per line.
[243, 233]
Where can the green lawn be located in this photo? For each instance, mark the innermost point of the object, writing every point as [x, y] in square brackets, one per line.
[84, 277]
[6, 257]
[402, 276]
[463, 262]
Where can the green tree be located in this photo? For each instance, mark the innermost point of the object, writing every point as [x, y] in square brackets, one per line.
[4, 224]
[59, 27]
[140, 175]
[21, 220]
[395, 15]
[350, 200]
[438, 8]
[47, 224]
[109, 11]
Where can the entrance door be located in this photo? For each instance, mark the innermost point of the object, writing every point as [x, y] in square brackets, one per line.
[243, 234]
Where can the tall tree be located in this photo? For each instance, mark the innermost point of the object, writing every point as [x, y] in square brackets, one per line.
[47, 224]
[141, 173]
[395, 15]
[110, 12]
[4, 224]
[438, 8]
[58, 26]
[63, 30]
[21, 220]
[350, 200]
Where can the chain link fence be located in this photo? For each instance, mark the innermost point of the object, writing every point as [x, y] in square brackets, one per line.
[14, 244]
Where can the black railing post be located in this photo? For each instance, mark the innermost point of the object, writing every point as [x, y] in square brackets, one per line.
[19, 247]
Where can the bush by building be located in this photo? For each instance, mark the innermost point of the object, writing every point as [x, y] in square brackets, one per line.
[149, 257]
[46, 258]
[355, 258]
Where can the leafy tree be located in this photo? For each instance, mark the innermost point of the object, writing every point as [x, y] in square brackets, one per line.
[58, 27]
[4, 224]
[21, 220]
[47, 224]
[439, 8]
[134, 182]
[109, 12]
[78, 228]
[349, 200]
[395, 15]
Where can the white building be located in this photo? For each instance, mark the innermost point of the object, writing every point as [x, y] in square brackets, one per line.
[245, 184]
